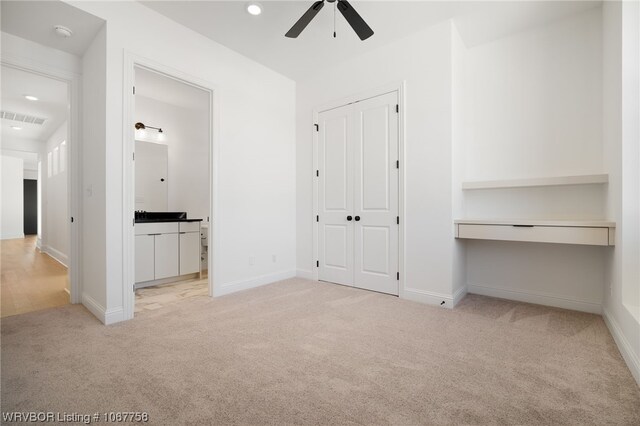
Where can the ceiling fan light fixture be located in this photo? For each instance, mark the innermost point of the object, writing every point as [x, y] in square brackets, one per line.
[353, 18]
[254, 8]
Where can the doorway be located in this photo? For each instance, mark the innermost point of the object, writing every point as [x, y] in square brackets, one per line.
[170, 188]
[30, 208]
[37, 249]
[358, 192]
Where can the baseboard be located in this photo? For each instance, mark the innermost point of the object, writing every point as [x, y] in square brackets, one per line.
[57, 255]
[94, 307]
[632, 360]
[428, 297]
[113, 316]
[303, 273]
[12, 236]
[106, 316]
[458, 295]
[536, 298]
[240, 285]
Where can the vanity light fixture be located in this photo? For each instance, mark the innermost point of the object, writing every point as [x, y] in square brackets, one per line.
[142, 128]
[254, 8]
[30, 97]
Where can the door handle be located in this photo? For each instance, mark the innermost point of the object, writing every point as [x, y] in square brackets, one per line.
[357, 218]
[349, 218]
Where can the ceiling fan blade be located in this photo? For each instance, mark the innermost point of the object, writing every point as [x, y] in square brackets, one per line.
[355, 20]
[305, 19]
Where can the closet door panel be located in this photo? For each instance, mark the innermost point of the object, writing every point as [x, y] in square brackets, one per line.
[376, 193]
[335, 164]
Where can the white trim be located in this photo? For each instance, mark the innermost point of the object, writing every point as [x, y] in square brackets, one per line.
[13, 237]
[429, 297]
[56, 255]
[234, 286]
[113, 316]
[458, 295]
[131, 61]
[73, 81]
[107, 317]
[538, 298]
[304, 273]
[630, 357]
[398, 87]
[94, 307]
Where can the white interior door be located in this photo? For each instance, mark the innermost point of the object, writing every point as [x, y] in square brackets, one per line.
[375, 204]
[358, 194]
[335, 163]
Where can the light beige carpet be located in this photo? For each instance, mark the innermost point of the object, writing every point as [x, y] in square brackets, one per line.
[299, 352]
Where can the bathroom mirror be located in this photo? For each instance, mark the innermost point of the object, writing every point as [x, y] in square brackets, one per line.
[151, 165]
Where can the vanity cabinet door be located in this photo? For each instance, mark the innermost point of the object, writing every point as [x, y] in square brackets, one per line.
[189, 253]
[144, 258]
[166, 259]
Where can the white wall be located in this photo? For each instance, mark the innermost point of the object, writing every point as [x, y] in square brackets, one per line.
[621, 32]
[22, 144]
[38, 56]
[55, 197]
[11, 198]
[187, 138]
[424, 61]
[535, 101]
[256, 150]
[533, 108]
[94, 231]
[460, 131]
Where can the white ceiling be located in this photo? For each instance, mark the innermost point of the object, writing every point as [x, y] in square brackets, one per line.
[261, 38]
[168, 90]
[34, 20]
[52, 104]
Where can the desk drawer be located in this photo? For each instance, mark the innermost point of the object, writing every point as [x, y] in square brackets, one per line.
[597, 236]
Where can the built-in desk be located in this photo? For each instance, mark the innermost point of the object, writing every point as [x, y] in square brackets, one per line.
[597, 233]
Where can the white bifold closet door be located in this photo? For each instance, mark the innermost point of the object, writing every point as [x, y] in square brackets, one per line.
[358, 194]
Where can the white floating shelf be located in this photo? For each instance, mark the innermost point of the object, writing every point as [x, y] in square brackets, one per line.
[540, 181]
[581, 232]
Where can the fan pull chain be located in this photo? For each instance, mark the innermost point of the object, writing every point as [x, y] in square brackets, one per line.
[334, 19]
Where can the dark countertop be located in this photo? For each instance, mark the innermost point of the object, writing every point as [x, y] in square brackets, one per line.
[166, 220]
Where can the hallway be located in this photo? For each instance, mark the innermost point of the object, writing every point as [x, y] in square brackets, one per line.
[30, 280]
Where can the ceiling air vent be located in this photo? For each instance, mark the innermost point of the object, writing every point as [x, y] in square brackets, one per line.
[22, 118]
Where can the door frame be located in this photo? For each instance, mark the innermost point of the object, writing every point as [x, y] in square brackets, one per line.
[131, 61]
[73, 80]
[398, 87]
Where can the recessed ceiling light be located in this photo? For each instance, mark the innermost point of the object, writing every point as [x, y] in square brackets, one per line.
[63, 31]
[16, 128]
[30, 97]
[254, 8]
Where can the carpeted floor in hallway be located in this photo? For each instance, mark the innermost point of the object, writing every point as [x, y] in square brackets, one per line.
[301, 352]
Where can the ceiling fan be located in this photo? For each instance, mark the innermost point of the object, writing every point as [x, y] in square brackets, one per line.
[353, 18]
